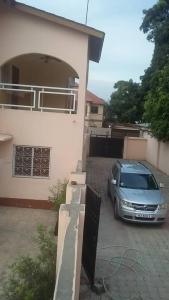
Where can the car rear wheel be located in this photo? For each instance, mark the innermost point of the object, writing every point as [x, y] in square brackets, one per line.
[116, 211]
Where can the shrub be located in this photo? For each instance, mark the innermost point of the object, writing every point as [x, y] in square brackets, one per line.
[58, 193]
[34, 278]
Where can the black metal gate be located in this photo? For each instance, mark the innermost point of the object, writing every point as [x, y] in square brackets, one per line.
[91, 225]
[106, 147]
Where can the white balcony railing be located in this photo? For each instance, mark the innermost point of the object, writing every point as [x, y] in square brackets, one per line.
[42, 98]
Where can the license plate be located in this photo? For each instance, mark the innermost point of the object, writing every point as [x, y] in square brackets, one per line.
[144, 216]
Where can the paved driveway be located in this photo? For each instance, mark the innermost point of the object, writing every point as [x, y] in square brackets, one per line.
[17, 228]
[132, 260]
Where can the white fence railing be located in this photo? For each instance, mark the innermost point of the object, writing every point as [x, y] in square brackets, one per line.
[32, 97]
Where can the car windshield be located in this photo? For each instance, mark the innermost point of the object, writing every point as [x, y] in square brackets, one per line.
[138, 181]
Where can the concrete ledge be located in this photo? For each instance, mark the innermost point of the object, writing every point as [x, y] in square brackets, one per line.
[70, 237]
[26, 203]
[79, 178]
[69, 246]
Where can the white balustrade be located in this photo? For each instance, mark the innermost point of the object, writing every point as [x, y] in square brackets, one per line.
[17, 93]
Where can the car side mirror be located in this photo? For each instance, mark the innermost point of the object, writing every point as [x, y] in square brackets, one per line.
[114, 181]
[161, 185]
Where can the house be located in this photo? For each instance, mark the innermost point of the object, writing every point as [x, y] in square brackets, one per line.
[94, 110]
[41, 115]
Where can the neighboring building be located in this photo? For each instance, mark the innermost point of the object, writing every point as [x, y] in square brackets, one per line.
[41, 116]
[94, 110]
[122, 130]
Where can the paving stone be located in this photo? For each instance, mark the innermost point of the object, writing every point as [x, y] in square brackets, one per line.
[133, 259]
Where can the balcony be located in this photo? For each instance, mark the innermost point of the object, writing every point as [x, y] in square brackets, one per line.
[38, 98]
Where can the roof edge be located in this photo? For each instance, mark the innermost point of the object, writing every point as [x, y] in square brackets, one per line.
[58, 19]
[96, 37]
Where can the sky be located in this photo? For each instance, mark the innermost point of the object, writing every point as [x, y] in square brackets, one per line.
[126, 52]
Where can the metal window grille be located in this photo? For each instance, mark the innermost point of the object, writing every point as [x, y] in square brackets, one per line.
[31, 161]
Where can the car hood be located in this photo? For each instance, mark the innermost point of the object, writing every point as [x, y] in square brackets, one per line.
[141, 196]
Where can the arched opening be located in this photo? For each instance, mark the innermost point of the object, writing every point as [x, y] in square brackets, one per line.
[38, 82]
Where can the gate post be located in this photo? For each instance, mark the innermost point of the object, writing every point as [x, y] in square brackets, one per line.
[125, 147]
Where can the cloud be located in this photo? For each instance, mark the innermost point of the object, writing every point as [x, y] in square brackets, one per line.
[102, 88]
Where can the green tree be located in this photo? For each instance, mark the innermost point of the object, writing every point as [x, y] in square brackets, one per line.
[126, 104]
[156, 25]
[58, 193]
[155, 82]
[157, 105]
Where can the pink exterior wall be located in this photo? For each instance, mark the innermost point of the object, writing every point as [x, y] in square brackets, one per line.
[152, 150]
[86, 149]
[149, 149]
[35, 71]
[158, 154]
[163, 163]
[60, 132]
[135, 148]
[22, 34]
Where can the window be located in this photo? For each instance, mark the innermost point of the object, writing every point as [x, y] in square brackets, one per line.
[94, 109]
[31, 161]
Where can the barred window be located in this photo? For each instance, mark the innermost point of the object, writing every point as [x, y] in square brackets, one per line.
[31, 161]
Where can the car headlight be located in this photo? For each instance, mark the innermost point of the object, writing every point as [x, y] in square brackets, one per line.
[162, 206]
[126, 203]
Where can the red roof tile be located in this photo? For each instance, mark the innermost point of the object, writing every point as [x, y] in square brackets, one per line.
[92, 98]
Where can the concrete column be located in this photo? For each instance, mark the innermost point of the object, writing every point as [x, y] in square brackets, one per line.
[70, 241]
[158, 154]
[125, 147]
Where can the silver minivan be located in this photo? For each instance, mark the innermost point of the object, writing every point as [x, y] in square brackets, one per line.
[135, 193]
